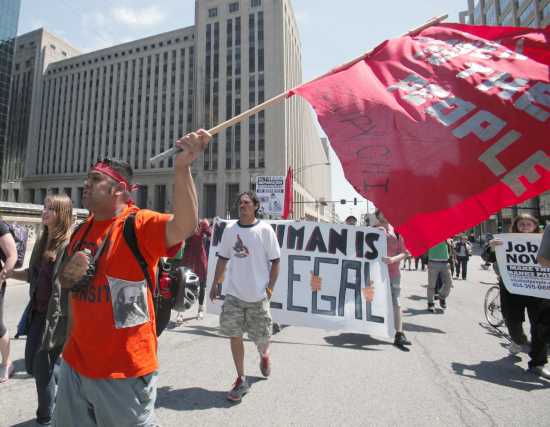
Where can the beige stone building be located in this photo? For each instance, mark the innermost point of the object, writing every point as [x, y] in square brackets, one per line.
[133, 100]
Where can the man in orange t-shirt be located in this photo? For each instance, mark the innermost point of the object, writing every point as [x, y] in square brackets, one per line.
[109, 370]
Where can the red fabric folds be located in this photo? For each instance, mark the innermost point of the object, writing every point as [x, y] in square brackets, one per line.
[442, 128]
[289, 195]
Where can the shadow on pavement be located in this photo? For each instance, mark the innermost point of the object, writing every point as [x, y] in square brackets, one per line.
[20, 372]
[503, 372]
[207, 331]
[355, 341]
[409, 312]
[30, 423]
[495, 332]
[411, 327]
[417, 298]
[195, 398]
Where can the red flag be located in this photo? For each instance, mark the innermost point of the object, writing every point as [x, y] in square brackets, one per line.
[442, 128]
[289, 194]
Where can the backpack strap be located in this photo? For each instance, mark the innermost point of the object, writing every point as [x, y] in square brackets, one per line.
[129, 232]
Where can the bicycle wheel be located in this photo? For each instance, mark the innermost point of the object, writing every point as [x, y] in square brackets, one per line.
[493, 314]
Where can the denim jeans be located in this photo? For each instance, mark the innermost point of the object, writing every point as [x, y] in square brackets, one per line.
[41, 364]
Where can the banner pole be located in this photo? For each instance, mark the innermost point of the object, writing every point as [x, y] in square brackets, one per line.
[250, 112]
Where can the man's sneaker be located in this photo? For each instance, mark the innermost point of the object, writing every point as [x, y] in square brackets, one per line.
[401, 340]
[436, 296]
[265, 366]
[515, 348]
[431, 307]
[540, 371]
[443, 303]
[240, 388]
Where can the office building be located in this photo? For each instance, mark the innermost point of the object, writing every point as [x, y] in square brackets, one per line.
[9, 18]
[133, 100]
[522, 13]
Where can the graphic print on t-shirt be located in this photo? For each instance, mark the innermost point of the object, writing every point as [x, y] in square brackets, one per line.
[241, 251]
[129, 300]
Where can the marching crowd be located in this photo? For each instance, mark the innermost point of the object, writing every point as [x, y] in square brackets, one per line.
[85, 282]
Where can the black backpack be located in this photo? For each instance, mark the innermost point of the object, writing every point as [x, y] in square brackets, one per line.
[20, 235]
[181, 289]
[162, 306]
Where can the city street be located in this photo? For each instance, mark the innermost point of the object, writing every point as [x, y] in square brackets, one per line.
[457, 372]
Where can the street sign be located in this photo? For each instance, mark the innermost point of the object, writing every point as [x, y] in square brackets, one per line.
[271, 191]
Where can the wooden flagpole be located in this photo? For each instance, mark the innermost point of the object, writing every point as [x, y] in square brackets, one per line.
[250, 112]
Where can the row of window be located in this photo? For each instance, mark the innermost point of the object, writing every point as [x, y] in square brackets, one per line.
[507, 10]
[113, 109]
[159, 202]
[232, 7]
[123, 53]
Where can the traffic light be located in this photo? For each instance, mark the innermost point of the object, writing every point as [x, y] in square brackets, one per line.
[355, 201]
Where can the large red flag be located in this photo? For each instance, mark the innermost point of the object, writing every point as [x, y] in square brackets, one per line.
[289, 194]
[442, 128]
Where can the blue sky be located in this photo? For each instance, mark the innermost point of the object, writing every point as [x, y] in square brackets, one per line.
[332, 32]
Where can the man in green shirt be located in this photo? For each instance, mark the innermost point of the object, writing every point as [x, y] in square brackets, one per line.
[438, 263]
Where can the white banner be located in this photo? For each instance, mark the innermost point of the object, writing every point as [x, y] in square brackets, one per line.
[271, 191]
[345, 257]
[517, 263]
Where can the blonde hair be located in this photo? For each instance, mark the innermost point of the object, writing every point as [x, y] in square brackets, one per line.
[52, 238]
[514, 225]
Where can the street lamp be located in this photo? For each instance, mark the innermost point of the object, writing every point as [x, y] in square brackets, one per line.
[303, 168]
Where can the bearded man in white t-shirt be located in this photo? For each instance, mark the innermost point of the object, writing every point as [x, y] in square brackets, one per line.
[251, 253]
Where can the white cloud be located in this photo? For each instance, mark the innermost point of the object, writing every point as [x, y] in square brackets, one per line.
[138, 17]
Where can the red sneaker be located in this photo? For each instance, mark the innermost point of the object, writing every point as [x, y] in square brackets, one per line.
[265, 366]
[240, 388]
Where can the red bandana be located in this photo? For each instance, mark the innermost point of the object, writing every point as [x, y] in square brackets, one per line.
[105, 169]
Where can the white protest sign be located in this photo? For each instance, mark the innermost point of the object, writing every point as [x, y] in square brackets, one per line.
[346, 258]
[518, 267]
[271, 190]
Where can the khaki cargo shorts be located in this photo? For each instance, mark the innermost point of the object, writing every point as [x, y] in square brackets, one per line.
[239, 316]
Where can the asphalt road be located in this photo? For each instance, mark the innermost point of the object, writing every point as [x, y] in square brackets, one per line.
[458, 372]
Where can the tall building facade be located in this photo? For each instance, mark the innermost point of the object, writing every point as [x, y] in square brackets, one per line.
[133, 100]
[9, 18]
[523, 13]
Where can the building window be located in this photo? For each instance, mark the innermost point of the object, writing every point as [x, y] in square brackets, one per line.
[504, 4]
[255, 3]
[546, 12]
[160, 198]
[232, 208]
[527, 15]
[508, 19]
[233, 7]
[213, 12]
[209, 198]
[228, 149]
[142, 196]
[491, 15]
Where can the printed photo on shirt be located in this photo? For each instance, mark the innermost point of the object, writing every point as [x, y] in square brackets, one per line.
[129, 300]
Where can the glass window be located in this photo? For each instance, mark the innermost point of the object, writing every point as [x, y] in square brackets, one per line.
[213, 12]
[232, 193]
[527, 15]
[209, 198]
[233, 7]
[504, 5]
[256, 3]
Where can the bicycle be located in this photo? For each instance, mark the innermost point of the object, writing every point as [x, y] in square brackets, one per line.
[491, 305]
